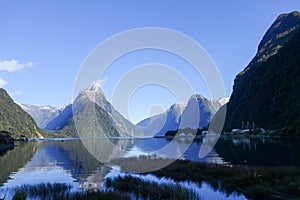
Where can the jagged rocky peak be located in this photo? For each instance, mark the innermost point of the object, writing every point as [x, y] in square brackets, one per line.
[95, 86]
[177, 107]
[201, 98]
[197, 96]
[94, 94]
[222, 101]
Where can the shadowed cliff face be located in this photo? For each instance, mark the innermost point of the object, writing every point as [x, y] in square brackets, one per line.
[267, 91]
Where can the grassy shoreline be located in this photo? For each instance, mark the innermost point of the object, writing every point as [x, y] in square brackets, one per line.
[253, 182]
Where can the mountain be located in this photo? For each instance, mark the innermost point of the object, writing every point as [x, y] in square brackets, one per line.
[197, 113]
[15, 120]
[267, 91]
[87, 125]
[93, 94]
[41, 114]
[58, 122]
[217, 103]
[161, 123]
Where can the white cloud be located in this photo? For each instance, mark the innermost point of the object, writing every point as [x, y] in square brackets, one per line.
[102, 81]
[3, 82]
[16, 93]
[14, 65]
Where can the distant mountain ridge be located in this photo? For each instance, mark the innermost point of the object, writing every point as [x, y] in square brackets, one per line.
[41, 114]
[171, 119]
[161, 123]
[267, 91]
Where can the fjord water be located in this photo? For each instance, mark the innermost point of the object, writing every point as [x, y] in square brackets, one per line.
[69, 162]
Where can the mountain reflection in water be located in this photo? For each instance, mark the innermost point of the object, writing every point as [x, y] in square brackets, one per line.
[70, 162]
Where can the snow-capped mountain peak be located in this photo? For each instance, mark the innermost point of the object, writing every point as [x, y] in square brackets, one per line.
[177, 110]
[197, 96]
[95, 86]
[95, 94]
[48, 108]
[223, 101]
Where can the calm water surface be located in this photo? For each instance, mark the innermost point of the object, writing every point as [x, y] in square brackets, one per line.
[69, 161]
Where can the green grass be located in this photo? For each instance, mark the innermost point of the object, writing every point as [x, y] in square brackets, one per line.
[62, 191]
[149, 189]
[253, 182]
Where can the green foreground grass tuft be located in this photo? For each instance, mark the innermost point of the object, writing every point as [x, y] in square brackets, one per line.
[62, 191]
[150, 190]
[253, 182]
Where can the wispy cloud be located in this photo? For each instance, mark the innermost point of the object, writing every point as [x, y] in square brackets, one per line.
[16, 93]
[3, 82]
[14, 65]
[102, 81]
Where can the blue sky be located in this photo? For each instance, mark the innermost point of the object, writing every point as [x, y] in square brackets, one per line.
[43, 43]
